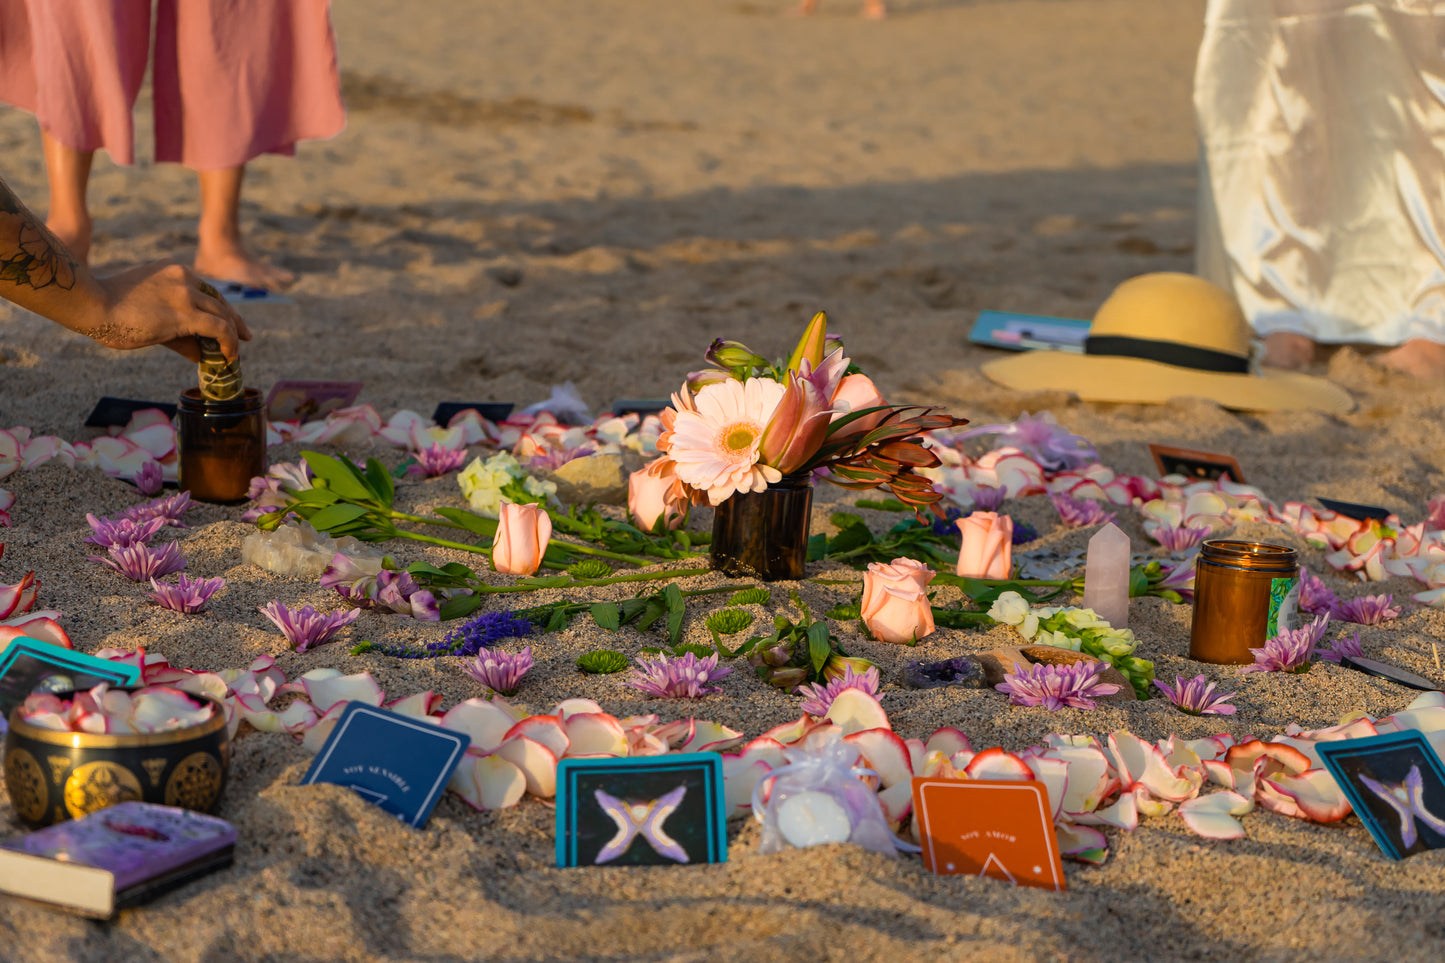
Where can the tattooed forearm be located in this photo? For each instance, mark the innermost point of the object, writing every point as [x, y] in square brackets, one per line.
[30, 256]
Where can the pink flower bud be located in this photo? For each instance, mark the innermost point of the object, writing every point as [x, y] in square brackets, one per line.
[987, 549]
[523, 532]
[650, 495]
[895, 600]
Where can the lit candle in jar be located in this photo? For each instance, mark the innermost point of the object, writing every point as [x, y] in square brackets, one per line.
[812, 819]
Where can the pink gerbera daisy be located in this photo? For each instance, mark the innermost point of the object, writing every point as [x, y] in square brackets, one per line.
[715, 446]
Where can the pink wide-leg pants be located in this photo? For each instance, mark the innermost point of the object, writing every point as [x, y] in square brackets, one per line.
[232, 79]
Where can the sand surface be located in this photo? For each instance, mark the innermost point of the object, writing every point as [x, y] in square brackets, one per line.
[532, 193]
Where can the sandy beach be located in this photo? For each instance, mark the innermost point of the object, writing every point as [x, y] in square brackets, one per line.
[529, 194]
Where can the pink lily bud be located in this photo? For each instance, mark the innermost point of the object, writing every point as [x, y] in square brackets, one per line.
[523, 532]
[895, 600]
[987, 549]
[798, 426]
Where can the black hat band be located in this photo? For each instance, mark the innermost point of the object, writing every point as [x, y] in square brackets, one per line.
[1166, 352]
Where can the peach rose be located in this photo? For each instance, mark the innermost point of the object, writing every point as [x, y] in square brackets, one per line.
[523, 532]
[652, 495]
[987, 549]
[895, 600]
[855, 393]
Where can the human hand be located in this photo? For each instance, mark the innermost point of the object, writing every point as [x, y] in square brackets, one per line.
[166, 303]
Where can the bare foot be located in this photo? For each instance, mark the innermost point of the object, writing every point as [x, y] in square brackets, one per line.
[74, 233]
[1417, 357]
[1285, 349]
[230, 261]
[804, 9]
[874, 10]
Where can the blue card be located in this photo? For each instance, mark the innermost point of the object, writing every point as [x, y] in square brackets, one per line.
[29, 665]
[1029, 332]
[399, 763]
[1396, 785]
[641, 811]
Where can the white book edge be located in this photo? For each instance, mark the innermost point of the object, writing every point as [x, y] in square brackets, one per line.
[53, 881]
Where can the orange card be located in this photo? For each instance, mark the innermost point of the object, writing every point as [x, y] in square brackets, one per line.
[986, 827]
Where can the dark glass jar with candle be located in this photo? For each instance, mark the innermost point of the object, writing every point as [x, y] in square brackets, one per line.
[764, 534]
[1244, 594]
[222, 444]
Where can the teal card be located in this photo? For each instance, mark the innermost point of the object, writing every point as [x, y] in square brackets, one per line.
[1396, 785]
[29, 665]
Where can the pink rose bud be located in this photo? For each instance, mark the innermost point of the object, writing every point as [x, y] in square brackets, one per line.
[987, 549]
[649, 497]
[895, 600]
[523, 532]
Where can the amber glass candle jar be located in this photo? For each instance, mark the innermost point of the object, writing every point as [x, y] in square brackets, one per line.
[1244, 593]
[222, 445]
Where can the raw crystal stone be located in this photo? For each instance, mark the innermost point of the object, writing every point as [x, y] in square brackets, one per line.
[1106, 576]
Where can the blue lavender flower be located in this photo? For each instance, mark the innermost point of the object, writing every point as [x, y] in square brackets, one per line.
[1024, 533]
[948, 524]
[479, 632]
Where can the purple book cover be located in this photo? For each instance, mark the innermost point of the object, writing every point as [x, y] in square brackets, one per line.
[135, 841]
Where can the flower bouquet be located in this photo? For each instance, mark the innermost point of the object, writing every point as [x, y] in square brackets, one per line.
[746, 427]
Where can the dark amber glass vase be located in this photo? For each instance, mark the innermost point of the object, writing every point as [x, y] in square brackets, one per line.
[764, 534]
[222, 445]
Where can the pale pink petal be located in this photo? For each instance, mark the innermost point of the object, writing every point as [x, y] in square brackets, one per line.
[487, 781]
[855, 710]
[537, 763]
[1212, 816]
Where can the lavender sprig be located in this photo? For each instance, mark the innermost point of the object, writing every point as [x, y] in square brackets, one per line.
[479, 632]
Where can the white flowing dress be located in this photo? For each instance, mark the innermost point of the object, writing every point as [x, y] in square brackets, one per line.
[1322, 165]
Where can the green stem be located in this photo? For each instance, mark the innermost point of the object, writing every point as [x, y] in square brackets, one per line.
[422, 520]
[481, 588]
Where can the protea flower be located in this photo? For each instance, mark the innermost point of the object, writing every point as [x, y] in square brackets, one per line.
[819, 696]
[1291, 650]
[1057, 686]
[140, 563]
[1370, 610]
[501, 672]
[687, 677]
[1080, 512]
[188, 595]
[305, 627]
[1197, 697]
[122, 532]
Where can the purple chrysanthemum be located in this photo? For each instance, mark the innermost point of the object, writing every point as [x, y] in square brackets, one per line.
[1181, 538]
[1315, 597]
[122, 532]
[437, 460]
[170, 508]
[1370, 610]
[1080, 512]
[1343, 646]
[151, 478]
[305, 627]
[687, 677]
[140, 563]
[1057, 686]
[501, 672]
[188, 595]
[988, 498]
[1196, 697]
[1291, 650]
[819, 696]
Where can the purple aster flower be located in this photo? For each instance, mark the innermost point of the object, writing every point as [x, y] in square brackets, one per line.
[140, 563]
[1343, 646]
[170, 508]
[500, 671]
[437, 460]
[188, 595]
[150, 479]
[1043, 439]
[1080, 512]
[1196, 697]
[687, 677]
[122, 532]
[1315, 596]
[1057, 686]
[305, 627]
[1181, 538]
[988, 498]
[820, 696]
[554, 458]
[1370, 610]
[1291, 650]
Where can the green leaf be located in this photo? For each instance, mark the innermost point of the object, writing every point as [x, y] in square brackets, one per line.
[1138, 582]
[701, 651]
[341, 477]
[655, 609]
[607, 615]
[460, 606]
[380, 480]
[883, 505]
[676, 609]
[819, 647]
[471, 521]
[851, 538]
[817, 547]
[557, 621]
[335, 516]
[320, 497]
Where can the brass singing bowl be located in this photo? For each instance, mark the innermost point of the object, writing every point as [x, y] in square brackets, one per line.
[54, 775]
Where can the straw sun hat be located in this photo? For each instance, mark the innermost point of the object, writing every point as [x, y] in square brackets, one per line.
[1167, 335]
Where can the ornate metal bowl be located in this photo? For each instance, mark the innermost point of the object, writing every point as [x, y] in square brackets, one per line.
[52, 775]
